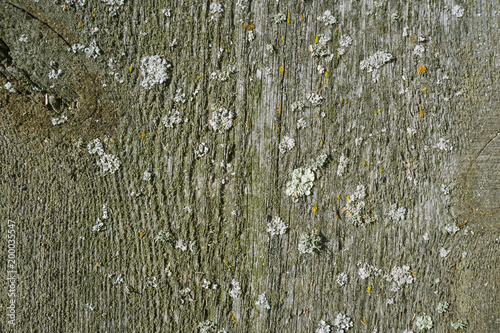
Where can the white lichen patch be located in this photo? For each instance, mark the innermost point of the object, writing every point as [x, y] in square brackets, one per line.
[23, 38]
[171, 119]
[235, 291]
[286, 144]
[314, 99]
[216, 11]
[355, 207]
[58, 121]
[154, 70]
[301, 123]
[9, 87]
[343, 323]
[344, 43]
[222, 119]
[206, 327]
[201, 151]
[457, 11]
[278, 18]
[109, 163]
[53, 74]
[180, 245]
[443, 307]
[443, 253]
[396, 214]
[375, 61]
[163, 237]
[458, 325]
[423, 322]
[323, 327]
[367, 270]
[319, 162]
[92, 51]
[451, 228]
[342, 165]
[276, 227]
[399, 276]
[342, 279]
[298, 106]
[443, 145]
[419, 50]
[262, 302]
[327, 18]
[309, 243]
[300, 184]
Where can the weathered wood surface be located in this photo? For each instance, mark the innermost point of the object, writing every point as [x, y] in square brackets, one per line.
[54, 191]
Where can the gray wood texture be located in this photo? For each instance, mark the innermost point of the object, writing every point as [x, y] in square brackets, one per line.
[54, 191]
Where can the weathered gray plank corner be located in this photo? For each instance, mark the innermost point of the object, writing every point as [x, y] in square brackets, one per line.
[184, 215]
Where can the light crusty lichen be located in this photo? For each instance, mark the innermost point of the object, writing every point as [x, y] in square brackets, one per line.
[309, 243]
[423, 322]
[300, 184]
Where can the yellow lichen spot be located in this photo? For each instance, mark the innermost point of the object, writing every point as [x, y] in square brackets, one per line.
[281, 300]
[98, 243]
[411, 136]
[288, 19]
[198, 77]
[143, 134]
[317, 115]
[142, 233]
[282, 69]
[363, 321]
[369, 289]
[337, 216]
[251, 27]
[338, 196]
[364, 163]
[315, 208]
[277, 128]
[422, 69]
[311, 17]
[378, 111]
[326, 74]
[301, 17]
[130, 69]
[279, 109]
[316, 38]
[422, 112]
[345, 102]
[425, 90]
[97, 264]
[338, 56]
[80, 24]
[93, 15]
[321, 142]
[283, 38]
[411, 159]
[382, 169]
[326, 81]
[347, 198]
[244, 25]
[233, 318]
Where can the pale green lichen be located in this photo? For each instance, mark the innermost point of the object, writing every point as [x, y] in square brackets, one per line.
[424, 322]
[163, 237]
[206, 327]
[458, 325]
[300, 184]
[442, 307]
[308, 243]
[319, 162]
